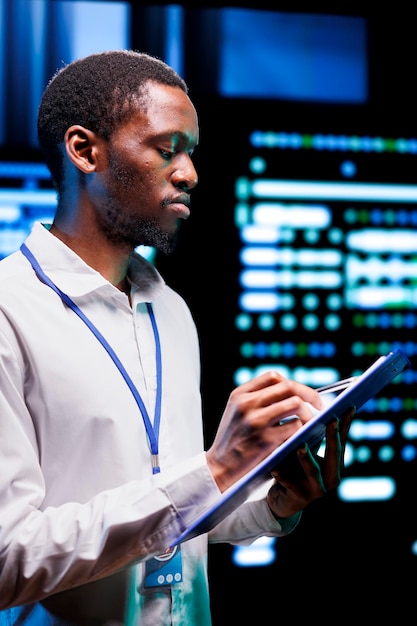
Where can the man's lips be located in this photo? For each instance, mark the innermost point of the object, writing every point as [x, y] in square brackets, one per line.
[180, 205]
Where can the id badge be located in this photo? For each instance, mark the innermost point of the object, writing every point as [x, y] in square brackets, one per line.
[163, 571]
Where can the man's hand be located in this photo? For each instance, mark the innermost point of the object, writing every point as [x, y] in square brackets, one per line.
[302, 482]
[255, 423]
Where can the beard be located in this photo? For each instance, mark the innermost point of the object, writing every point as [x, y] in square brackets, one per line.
[130, 229]
[133, 231]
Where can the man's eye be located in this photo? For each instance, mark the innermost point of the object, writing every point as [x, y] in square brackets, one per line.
[167, 154]
[170, 154]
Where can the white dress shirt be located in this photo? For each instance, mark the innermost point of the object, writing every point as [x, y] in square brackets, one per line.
[81, 510]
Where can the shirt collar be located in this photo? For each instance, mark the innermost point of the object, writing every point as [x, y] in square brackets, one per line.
[75, 278]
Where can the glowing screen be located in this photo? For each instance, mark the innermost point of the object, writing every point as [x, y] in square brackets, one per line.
[327, 282]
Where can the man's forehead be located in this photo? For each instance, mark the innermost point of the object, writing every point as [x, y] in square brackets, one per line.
[170, 113]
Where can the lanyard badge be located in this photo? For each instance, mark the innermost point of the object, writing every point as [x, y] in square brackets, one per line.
[163, 571]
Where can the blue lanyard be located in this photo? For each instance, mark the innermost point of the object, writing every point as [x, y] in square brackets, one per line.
[152, 431]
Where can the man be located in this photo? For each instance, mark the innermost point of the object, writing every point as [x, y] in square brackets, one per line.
[101, 448]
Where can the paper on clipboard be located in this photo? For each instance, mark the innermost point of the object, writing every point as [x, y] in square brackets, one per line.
[367, 385]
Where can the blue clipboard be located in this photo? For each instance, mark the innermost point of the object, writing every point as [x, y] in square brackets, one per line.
[366, 386]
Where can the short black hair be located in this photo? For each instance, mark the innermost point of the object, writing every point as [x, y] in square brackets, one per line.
[98, 92]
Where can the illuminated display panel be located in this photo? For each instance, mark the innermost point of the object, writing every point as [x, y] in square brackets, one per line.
[26, 196]
[325, 265]
[327, 281]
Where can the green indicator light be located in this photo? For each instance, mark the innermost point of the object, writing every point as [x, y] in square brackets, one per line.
[358, 321]
[363, 216]
[302, 349]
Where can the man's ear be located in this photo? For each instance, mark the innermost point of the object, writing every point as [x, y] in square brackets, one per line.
[81, 148]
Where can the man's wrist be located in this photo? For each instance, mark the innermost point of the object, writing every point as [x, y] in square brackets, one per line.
[287, 524]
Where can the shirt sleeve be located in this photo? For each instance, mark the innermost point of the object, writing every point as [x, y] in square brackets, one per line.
[47, 551]
[252, 520]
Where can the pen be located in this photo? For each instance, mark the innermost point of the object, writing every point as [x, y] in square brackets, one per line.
[337, 386]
